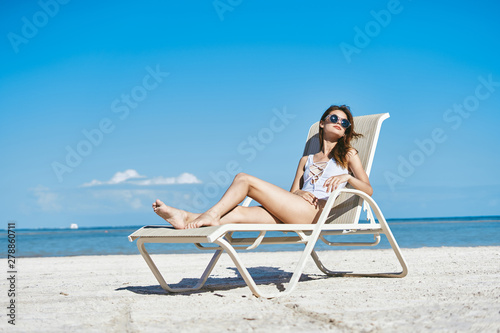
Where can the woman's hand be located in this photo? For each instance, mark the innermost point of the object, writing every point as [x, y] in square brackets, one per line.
[307, 196]
[333, 182]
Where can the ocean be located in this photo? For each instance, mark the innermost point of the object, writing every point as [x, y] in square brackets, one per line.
[409, 233]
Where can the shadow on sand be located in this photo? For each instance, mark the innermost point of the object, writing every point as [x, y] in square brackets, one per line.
[261, 275]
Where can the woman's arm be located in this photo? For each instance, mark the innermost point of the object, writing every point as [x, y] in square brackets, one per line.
[298, 175]
[297, 184]
[359, 180]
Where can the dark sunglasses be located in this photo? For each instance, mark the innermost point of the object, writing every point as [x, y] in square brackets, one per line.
[334, 119]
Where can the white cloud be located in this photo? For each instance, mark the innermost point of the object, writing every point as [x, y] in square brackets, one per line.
[121, 177]
[48, 201]
[185, 178]
[92, 183]
[128, 176]
[118, 178]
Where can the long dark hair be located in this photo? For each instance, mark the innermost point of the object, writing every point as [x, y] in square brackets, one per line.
[339, 152]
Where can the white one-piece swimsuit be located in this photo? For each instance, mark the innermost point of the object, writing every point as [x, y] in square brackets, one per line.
[315, 175]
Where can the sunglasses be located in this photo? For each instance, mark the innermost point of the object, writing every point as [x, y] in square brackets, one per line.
[334, 119]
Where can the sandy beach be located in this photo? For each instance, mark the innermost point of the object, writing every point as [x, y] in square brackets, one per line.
[447, 290]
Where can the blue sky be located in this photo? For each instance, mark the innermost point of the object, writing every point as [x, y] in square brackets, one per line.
[107, 106]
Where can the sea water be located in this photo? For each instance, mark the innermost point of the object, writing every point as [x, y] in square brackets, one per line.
[409, 233]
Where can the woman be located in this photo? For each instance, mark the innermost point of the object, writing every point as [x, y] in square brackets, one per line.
[317, 175]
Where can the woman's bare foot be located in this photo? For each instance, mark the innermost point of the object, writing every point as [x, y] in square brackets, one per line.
[205, 219]
[176, 217]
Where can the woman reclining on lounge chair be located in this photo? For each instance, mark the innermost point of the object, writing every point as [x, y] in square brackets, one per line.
[317, 175]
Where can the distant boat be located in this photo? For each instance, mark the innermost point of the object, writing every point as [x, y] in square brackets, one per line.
[73, 226]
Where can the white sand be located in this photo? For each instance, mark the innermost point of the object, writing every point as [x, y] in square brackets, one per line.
[447, 290]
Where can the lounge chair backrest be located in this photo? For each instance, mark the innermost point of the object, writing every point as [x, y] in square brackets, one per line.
[349, 206]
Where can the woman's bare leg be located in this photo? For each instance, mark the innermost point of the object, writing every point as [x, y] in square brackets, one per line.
[178, 218]
[279, 203]
[242, 214]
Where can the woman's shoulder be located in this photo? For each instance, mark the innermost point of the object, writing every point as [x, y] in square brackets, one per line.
[352, 156]
[303, 162]
[351, 152]
[304, 158]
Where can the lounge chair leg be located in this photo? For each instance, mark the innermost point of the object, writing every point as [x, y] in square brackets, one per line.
[322, 268]
[394, 245]
[328, 272]
[390, 238]
[251, 282]
[241, 267]
[396, 249]
[161, 280]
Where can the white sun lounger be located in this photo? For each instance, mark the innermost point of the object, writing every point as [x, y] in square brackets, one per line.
[342, 219]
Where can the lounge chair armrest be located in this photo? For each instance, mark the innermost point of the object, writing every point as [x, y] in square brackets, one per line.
[247, 202]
